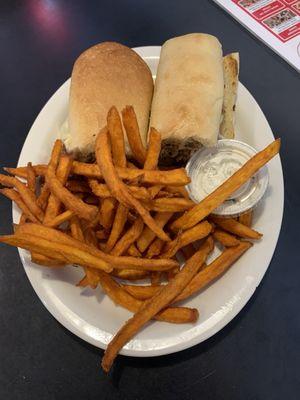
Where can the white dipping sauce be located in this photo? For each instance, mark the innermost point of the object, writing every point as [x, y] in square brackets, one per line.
[211, 166]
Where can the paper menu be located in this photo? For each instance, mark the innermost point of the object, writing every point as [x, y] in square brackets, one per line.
[275, 22]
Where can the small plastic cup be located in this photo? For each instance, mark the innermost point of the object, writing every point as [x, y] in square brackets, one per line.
[209, 167]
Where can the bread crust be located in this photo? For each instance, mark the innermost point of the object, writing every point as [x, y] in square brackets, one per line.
[106, 74]
[188, 94]
[231, 64]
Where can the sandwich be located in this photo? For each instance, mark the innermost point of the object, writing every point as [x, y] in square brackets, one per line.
[192, 105]
[194, 92]
[104, 75]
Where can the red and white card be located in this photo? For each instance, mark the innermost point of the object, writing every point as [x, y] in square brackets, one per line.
[275, 22]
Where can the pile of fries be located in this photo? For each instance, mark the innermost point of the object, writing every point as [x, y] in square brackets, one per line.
[124, 220]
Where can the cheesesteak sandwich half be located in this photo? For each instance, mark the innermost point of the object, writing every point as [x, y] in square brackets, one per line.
[106, 74]
[188, 102]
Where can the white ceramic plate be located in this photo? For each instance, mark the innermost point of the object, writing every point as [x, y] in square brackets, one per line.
[91, 315]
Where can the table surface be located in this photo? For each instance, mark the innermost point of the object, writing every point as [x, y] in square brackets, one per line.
[257, 355]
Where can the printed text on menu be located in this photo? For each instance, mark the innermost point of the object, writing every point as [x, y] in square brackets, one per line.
[281, 17]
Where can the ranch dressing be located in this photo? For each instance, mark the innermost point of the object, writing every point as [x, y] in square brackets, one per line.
[211, 166]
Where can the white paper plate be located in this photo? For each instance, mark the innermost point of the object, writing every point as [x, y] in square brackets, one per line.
[91, 315]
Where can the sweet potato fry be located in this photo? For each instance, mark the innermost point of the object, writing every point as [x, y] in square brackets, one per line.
[122, 262]
[115, 129]
[219, 195]
[21, 172]
[62, 252]
[54, 204]
[14, 196]
[87, 170]
[155, 248]
[133, 134]
[101, 190]
[147, 236]
[133, 251]
[40, 259]
[26, 194]
[42, 199]
[104, 160]
[150, 308]
[139, 193]
[198, 232]
[165, 204]
[154, 191]
[142, 292]
[23, 217]
[95, 223]
[117, 228]
[84, 282]
[39, 169]
[92, 276]
[235, 227]
[246, 218]
[76, 230]
[129, 274]
[117, 187]
[128, 238]
[214, 270]
[71, 202]
[60, 219]
[178, 190]
[153, 151]
[90, 237]
[55, 154]
[107, 211]
[225, 238]
[31, 178]
[175, 177]
[120, 296]
[163, 194]
[8, 181]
